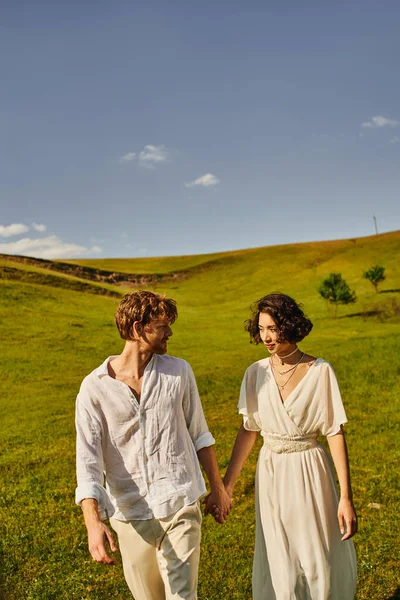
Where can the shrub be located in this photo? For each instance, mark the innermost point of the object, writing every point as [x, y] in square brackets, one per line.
[336, 290]
[375, 275]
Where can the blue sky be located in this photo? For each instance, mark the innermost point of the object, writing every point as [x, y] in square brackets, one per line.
[165, 128]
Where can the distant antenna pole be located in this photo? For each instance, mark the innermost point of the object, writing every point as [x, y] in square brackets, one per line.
[376, 226]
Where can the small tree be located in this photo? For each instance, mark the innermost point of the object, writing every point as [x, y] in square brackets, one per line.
[336, 290]
[375, 275]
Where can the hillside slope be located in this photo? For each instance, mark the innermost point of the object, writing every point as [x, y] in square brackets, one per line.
[385, 243]
[56, 327]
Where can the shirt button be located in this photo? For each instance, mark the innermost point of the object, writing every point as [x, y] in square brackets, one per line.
[146, 459]
[149, 482]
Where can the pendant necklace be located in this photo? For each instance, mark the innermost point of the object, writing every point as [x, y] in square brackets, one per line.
[281, 373]
[293, 370]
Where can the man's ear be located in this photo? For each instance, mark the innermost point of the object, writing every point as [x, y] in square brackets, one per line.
[137, 330]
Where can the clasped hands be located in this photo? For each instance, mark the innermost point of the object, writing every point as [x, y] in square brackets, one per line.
[218, 503]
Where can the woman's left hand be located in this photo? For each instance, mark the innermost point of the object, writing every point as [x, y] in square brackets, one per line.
[347, 518]
[218, 503]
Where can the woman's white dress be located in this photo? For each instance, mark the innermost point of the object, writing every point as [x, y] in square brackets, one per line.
[299, 554]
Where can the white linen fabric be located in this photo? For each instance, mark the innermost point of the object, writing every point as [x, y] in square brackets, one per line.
[146, 453]
[299, 554]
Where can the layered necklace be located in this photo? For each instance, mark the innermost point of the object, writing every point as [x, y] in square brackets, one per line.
[286, 355]
[292, 369]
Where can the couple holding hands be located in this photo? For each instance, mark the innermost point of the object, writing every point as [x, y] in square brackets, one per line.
[142, 436]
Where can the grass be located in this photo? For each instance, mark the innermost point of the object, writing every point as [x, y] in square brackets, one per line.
[53, 336]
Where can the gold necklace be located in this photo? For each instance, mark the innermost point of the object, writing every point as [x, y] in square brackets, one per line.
[282, 385]
[281, 373]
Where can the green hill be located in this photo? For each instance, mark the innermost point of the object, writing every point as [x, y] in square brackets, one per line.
[57, 324]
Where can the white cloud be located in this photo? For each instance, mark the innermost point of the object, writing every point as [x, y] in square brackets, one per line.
[206, 180]
[395, 140]
[49, 247]
[128, 157]
[150, 156]
[39, 227]
[380, 121]
[14, 229]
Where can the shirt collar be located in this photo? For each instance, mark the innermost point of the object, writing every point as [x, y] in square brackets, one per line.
[103, 368]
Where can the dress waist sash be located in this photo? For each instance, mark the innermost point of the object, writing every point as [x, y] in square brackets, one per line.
[284, 443]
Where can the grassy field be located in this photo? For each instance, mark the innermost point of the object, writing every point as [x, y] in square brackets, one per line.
[54, 331]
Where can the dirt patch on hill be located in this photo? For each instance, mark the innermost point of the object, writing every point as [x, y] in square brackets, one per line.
[14, 274]
[98, 275]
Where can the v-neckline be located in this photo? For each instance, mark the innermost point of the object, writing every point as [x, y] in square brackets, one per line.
[283, 402]
[137, 403]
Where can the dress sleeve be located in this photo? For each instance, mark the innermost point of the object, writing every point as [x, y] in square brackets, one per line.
[333, 415]
[248, 401]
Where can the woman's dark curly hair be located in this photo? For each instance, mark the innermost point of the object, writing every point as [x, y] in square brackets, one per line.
[292, 324]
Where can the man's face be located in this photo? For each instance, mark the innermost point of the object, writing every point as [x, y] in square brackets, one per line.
[155, 336]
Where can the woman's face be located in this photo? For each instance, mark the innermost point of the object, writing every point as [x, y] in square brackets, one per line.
[269, 335]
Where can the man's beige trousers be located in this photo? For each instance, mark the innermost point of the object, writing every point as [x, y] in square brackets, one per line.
[161, 556]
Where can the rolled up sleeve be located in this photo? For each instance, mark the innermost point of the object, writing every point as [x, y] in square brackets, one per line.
[89, 457]
[194, 415]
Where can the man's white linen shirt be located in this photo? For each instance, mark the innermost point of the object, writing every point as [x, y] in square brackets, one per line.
[146, 452]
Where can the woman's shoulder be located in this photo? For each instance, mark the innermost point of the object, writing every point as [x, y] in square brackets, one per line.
[260, 364]
[256, 366]
[310, 359]
[318, 362]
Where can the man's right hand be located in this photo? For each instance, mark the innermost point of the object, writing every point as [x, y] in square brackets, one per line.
[99, 537]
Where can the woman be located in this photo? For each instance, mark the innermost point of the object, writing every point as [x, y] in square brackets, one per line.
[303, 547]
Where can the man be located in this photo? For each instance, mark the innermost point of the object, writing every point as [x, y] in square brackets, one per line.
[140, 425]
